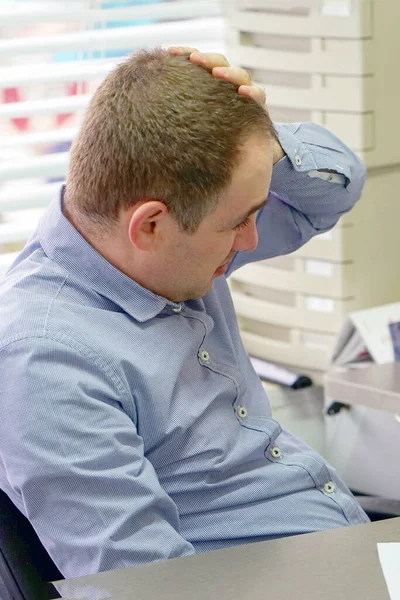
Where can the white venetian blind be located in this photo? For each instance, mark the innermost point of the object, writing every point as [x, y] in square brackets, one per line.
[53, 55]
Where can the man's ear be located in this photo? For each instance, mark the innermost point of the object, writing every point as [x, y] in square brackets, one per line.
[146, 224]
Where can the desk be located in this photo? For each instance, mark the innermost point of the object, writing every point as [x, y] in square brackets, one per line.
[363, 443]
[376, 386]
[341, 564]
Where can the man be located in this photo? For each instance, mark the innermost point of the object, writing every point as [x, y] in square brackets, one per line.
[133, 427]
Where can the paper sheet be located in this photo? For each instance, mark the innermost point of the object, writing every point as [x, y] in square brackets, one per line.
[389, 555]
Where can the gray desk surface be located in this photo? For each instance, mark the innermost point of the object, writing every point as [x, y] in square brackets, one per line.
[376, 386]
[341, 564]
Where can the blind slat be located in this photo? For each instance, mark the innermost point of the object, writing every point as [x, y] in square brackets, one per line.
[49, 165]
[31, 108]
[132, 37]
[38, 137]
[20, 228]
[26, 197]
[275, 4]
[162, 10]
[54, 72]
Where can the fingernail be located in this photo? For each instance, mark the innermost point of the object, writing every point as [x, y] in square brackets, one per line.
[221, 70]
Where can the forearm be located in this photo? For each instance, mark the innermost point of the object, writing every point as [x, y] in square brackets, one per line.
[298, 179]
[317, 180]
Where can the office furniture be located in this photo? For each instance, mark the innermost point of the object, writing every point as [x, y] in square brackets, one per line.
[363, 438]
[25, 566]
[341, 563]
[330, 62]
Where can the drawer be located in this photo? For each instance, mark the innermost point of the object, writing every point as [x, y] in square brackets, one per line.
[350, 20]
[295, 352]
[335, 245]
[302, 55]
[301, 275]
[326, 61]
[289, 309]
[352, 439]
[356, 130]
[317, 92]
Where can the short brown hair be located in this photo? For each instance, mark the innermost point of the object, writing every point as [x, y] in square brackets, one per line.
[160, 127]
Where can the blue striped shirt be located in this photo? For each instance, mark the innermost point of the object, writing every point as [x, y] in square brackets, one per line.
[133, 429]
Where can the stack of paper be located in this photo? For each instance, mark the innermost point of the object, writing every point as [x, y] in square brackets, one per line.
[389, 555]
[365, 337]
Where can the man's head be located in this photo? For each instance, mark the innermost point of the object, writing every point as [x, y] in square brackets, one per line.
[166, 159]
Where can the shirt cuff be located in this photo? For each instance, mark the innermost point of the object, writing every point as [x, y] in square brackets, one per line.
[310, 147]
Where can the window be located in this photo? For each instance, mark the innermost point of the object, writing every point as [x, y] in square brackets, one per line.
[53, 55]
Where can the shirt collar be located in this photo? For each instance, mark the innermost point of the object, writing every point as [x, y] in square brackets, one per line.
[63, 244]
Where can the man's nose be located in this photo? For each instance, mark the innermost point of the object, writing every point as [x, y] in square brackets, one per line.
[247, 238]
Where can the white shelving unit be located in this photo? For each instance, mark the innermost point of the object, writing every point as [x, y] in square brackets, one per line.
[331, 62]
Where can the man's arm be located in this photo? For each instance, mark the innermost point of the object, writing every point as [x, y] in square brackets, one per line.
[316, 177]
[75, 463]
[313, 185]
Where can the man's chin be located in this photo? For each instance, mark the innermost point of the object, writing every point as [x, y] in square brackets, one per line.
[198, 294]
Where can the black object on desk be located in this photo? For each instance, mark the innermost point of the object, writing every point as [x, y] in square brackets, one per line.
[281, 375]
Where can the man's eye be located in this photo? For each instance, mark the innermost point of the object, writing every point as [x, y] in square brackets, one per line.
[243, 224]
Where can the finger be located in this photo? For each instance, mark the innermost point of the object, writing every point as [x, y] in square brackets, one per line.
[234, 75]
[254, 92]
[209, 59]
[181, 50]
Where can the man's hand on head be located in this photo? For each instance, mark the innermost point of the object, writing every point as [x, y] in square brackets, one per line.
[220, 68]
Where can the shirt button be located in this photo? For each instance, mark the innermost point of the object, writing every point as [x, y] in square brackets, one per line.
[298, 160]
[241, 412]
[204, 356]
[177, 309]
[330, 178]
[329, 487]
[276, 452]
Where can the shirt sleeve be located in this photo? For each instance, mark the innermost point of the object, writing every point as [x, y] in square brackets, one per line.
[304, 199]
[75, 463]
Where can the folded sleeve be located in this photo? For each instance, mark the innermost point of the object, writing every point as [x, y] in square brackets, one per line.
[75, 464]
[317, 181]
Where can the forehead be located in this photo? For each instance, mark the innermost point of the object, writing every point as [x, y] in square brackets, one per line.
[250, 182]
